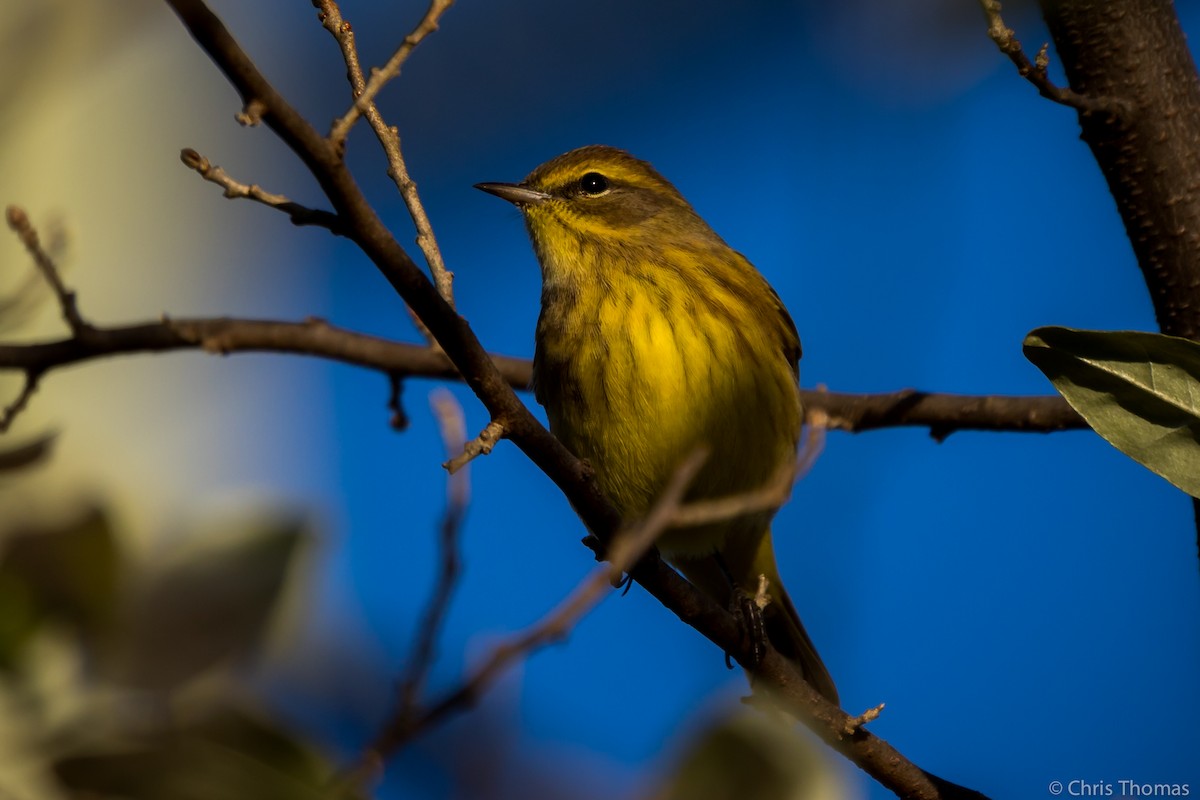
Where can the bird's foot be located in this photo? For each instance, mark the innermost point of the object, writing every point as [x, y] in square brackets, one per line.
[747, 609]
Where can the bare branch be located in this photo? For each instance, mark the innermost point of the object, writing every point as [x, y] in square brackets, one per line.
[481, 445]
[366, 92]
[627, 548]
[868, 716]
[13, 409]
[299, 215]
[330, 15]
[388, 135]
[398, 170]
[1006, 39]
[451, 330]
[224, 335]
[18, 220]
[399, 420]
[767, 498]
[774, 674]
[450, 419]
[942, 413]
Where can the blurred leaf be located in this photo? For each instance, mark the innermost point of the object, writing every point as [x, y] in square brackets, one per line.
[26, 455]
[230, 755]
[1140, 391]
[70, 574]
[751, 756]
[19, 618]
[208, 608]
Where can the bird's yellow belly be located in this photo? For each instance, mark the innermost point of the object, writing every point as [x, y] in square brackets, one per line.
[636, 403]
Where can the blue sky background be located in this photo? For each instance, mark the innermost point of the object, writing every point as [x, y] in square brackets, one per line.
[1025, 605]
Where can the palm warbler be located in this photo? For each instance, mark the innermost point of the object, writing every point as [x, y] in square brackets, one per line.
[656, 337]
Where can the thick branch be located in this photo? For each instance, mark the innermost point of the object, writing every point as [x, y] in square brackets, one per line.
[1134, 50]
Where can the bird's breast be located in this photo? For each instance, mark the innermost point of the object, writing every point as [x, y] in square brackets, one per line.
[634, 379]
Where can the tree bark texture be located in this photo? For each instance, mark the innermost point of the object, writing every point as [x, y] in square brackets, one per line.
[1133, 52]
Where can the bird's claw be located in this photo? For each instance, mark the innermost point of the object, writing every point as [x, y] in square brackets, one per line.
[747, 610]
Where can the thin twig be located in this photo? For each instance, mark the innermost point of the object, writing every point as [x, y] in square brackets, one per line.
[330, 15]
[854, 724]
[18, 220]
[766, 498]
[812, 439]
[364, 92]
[451, 422]
[398, 170]
[399, 420]
[481, 445]
[299, 214]
[1035, 72]
[627, 548]
[13, 409]
[367, 91]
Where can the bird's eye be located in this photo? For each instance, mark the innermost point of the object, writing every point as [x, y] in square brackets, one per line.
[593, 184]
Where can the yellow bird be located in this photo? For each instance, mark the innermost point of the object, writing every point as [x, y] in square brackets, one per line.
[656, 337]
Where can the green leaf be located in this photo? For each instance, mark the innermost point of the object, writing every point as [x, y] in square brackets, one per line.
[208, 607]
[751, 757]
[1140, 391]
[19, 618]
[232, 754]
[69, 574]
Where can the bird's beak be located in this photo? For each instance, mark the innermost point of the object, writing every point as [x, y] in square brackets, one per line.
[514, 193]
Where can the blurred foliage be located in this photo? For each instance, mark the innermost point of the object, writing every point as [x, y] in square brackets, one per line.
[67, 576]
[29, 454]
[752, 756]
[117, 678]
[225, 754]
[1140, 391]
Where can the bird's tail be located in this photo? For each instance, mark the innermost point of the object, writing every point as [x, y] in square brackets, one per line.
[787, 635]
[783, 627]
